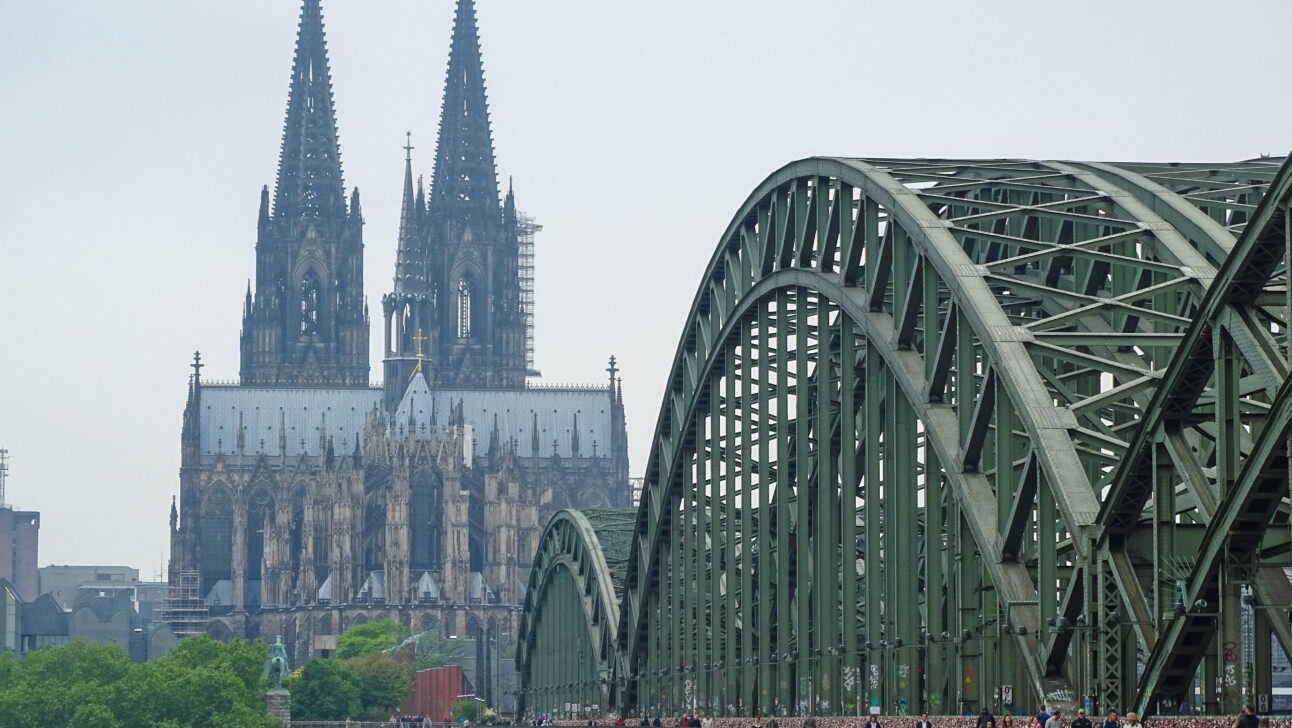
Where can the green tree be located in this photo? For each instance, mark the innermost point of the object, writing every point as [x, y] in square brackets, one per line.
[468, 709]
[202, 684]
[325, 690]
[370, 638]
[94, 715]
[47, 686]
[384, 681]
[431, 651]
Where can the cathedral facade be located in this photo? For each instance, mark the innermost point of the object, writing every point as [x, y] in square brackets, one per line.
[311, 500]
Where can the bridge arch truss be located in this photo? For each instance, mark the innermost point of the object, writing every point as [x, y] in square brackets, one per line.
[937, 427]
[567, 653]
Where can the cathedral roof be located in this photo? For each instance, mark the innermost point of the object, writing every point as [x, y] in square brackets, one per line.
[302, 421]
[516, 413]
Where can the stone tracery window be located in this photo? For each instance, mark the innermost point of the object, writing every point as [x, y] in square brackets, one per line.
[464, 309]
[310, 304]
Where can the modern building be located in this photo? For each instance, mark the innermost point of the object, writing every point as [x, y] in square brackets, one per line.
[311, 500]
[62, 581]
[118, 613]
[19, 543]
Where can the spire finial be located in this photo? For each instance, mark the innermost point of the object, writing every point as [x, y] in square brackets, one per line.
[465, 182]
[410, 276]
[309, 166]
[197, 367]
[614, 371]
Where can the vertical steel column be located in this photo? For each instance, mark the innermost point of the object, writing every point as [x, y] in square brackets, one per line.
[727, 687]
[1229, 464]
[850, 687]
[686, 617]
[1114, 690]
[827, 561]
[765, 654]
[785, 464]
[901, 555]
[676, 617]
[1262, 665]
[1231, 640]
[717, 550]
[935, 586]
[873, 514]
[746, 699]
[928, 689]
[801, 602]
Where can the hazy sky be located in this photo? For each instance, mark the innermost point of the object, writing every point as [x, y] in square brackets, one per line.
[135, 137]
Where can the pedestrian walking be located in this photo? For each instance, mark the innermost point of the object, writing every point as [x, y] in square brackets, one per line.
[1081, 721]
[923, 722]
[1056, 719]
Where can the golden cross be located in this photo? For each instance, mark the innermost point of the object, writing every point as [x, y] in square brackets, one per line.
[419, 339]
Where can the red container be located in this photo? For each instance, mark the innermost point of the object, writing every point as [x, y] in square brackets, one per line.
[434, 693]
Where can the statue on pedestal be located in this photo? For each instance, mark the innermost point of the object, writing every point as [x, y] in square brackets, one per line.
[276, 669]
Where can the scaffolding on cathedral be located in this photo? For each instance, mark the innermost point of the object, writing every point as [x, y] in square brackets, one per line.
[183, 608]
[525, 266]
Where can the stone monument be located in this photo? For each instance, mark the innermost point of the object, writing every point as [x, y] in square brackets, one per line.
[278, 702]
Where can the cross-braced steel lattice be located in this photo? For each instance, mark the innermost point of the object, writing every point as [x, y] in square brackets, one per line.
[943, 433]
[568, 644]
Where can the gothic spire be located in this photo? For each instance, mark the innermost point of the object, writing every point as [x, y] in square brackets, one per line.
[309, 165]
[465, 184]
[408, 274]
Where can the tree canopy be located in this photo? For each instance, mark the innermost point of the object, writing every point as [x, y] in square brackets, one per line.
[370, 638]
[202, 683]
[384, 682]
[325, 690]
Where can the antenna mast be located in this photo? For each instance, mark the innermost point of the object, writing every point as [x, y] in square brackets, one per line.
[4, 471]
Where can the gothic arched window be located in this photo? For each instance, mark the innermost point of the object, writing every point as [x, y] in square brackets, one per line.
[310, 304]
[464, 309]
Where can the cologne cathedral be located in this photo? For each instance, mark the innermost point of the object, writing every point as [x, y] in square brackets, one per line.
[311, 500]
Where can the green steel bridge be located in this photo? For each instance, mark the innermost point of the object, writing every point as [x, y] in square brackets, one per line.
[943, 435]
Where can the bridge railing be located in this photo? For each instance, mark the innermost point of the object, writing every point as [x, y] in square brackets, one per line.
[369, 724]
[938, 721]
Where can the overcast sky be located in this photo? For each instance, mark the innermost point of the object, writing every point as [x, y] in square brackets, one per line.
[135, 137]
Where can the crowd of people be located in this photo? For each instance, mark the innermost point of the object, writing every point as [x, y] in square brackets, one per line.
[1045, 719]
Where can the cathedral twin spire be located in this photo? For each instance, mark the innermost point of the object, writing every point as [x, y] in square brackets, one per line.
[457, 267]
[309, 164]
[465, 185]
[456, 276]
[307, 323]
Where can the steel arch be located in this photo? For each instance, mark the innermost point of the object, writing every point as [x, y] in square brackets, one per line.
[567, 648]
[1059, 290]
